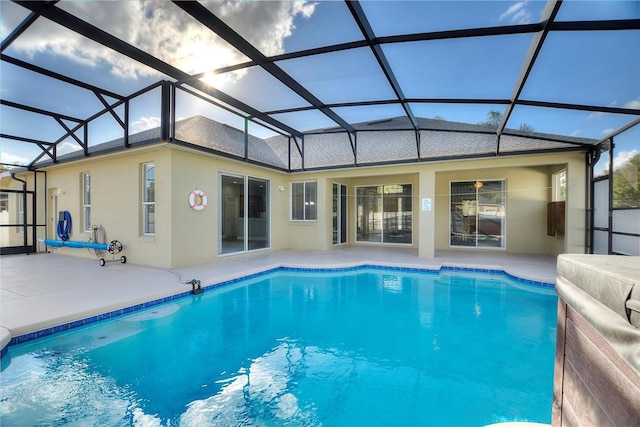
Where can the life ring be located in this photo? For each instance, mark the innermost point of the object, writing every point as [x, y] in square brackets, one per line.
[197, 200]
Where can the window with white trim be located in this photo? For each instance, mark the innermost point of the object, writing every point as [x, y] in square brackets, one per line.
[304, 201]
[560, 186]
[148, 199]
[86, 201]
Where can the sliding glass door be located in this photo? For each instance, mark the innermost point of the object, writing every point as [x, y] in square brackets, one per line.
[478, 213]
[244, 214]
[384, 214]
[339, 214]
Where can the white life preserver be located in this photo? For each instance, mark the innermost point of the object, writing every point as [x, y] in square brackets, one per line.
[197, 200]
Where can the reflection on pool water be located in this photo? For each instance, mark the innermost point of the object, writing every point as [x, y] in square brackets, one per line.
[355, 347]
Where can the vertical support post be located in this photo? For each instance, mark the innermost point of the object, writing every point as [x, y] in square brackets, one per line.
[86, 139]
[246, 138]
[302, 153]
[126, 124]
[610, 208]
[165, 112]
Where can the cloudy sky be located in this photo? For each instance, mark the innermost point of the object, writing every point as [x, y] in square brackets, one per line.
[571, 68]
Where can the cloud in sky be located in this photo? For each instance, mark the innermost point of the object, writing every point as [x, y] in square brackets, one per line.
[517, 13]
[145, 123]
[622, 158]
[165, 31]
[633, 104]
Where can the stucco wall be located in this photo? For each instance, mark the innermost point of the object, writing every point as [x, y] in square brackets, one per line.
[195, 235]
[115, 203]
[186, 237]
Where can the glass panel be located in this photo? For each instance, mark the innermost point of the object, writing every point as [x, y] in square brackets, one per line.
[27, 87]
[310, 201]
[397, 213]
[626, 169]
[458, 68]
[232, 214]
[86, 201]
[257, 214]
[261, 90]
[581, 81]
[339, 197]
[369, 214]
[149, 219]
[144, 116]
[18, 152]
[462, 113]
[259, 149]
[279, 145]
[434, 144]
[149, 183]
[491, 213]
[276, 27]
[297, 201]
[327, 150]
[386, 146]
[626, 245]
[55, 46]
[626, 221]
[12, 15]
[24, 124]
[305, 120]
[335, 212]
[410, 17]
[600, 242]
[463, 214]
[577, 124]
[595, 10]
[601, 168]
[104, 133]
[359, 115]
[601, 204]
[513, 143]
[343, 214]
[360, 76]
[161, 29]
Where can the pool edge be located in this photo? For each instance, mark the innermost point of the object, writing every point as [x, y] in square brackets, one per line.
[7, 340]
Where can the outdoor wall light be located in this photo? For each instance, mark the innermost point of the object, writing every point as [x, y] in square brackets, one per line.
[281, 188]
[59, 192]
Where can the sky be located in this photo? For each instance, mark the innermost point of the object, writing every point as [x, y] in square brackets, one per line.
[595, 68]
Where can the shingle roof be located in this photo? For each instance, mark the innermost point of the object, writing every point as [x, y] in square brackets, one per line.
[383, 141]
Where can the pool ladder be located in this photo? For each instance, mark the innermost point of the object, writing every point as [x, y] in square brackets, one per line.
[196, 288]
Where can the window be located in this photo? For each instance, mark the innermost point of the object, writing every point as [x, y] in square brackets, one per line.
[86, 201]
[560, 186]
[148, 199]
[478, 212]
[303, 201]
[384, 214]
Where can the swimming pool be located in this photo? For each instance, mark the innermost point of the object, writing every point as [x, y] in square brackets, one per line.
[362, 346]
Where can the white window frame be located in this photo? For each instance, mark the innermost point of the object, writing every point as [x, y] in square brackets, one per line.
[313, 202]
[559, 183]
[506, 210]
[146, 204]
[382, 229]
[86, 204]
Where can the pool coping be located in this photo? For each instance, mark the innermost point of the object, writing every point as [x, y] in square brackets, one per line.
[7, 340]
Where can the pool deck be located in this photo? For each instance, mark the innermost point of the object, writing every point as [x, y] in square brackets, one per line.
[39, 291]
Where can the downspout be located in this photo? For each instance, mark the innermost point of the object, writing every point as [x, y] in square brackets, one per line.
[24, 204]
[591, 159]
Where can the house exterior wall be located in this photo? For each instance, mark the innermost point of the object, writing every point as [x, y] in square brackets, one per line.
[187, 237]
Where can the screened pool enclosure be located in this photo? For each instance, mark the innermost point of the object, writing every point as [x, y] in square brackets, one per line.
[303, 86]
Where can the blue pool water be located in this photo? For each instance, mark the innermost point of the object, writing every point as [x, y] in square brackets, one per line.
[365, 347]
